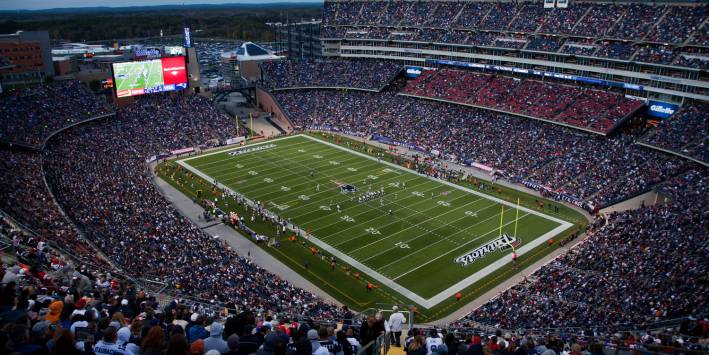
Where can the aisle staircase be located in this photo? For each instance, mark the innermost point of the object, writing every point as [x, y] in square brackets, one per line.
[396, 351]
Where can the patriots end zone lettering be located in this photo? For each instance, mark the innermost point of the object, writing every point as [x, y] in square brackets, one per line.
[501, 243]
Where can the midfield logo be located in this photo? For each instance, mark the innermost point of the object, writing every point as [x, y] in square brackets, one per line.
[504, 242]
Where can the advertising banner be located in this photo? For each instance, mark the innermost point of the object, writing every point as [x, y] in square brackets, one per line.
[661, 109]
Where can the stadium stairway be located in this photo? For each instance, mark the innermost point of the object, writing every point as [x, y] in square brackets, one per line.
[274, 124]
[396, 351]
[261, 125]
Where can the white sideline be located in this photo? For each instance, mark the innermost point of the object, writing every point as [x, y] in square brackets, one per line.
[441, 296]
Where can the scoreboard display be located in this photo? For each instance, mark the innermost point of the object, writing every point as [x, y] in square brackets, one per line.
[150, 76]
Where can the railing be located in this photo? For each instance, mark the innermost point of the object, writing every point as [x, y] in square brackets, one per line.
[379, 346]
[598, 331]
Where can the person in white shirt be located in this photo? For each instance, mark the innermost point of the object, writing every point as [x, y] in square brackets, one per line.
[433, 341]
[396, 322]
[108, 345]
[353, 340]
[123, 336]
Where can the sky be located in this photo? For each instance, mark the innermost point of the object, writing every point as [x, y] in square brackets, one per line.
[50, 4]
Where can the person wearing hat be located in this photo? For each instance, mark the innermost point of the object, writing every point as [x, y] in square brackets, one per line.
[11, 275]
[272, 344]
[123, 336]
[196, 330]
[81, 282]
[249, 343]
[55, 311]
[126, 309]
[197, 347]
[315, 343]
[108, 345]
[79, 308]
[396, 322]
[233, 343]
[215, 340]
[41, 332]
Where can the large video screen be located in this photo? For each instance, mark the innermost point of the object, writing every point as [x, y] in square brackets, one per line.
[150, 76]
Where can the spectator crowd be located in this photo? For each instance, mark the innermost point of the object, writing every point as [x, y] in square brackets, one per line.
[640, 266]
[552, 159]
[614, 27]
[67, 282]
[31, 114]
[99, 175]
[687, 132]
[576, 106]
[370, 75]
[48, 306]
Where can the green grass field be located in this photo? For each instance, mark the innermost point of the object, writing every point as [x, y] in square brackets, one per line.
[411, 252]
[138, 75]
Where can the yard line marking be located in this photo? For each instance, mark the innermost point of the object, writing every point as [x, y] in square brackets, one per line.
[259, 159]
[313, 180]
[276, 177]
[298, 177]
[407, 228]
[398, 219]
[454, 249]
[421, 236]
[250, 160]
[319, 218]
[356, 206]
[234, 149]
[296, 173]
[444, 182]
[441, 296]
[265, 186]
[448, 238]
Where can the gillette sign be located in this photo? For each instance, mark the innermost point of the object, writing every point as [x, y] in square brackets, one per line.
[661, 109]
[413, 72]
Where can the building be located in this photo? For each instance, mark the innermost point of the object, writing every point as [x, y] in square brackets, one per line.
[29, 53]
[242, 66]
[65, 65]
[80, 49]
[297, 40]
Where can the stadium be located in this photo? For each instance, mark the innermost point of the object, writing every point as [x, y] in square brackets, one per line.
[442, 177]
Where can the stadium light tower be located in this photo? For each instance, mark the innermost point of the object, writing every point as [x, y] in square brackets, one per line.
[192, 62]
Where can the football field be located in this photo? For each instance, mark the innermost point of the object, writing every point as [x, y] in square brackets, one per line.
[138, 75]
[422, 237]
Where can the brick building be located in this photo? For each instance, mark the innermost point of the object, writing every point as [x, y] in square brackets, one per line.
[29, 54]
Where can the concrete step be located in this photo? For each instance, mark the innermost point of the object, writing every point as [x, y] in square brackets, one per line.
[393, 350]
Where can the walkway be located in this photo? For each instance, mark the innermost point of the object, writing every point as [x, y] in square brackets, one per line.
[236, 241]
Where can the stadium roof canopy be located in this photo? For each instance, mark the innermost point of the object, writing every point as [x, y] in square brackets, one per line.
[251, 51]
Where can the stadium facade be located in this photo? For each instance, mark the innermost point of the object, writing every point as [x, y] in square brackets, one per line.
[649, 50]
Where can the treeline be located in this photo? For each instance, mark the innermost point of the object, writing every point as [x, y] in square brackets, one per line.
[111, 24]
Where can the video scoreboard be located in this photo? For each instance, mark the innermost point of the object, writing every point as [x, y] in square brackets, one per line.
[150, 76]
